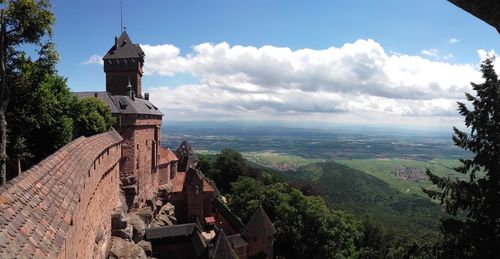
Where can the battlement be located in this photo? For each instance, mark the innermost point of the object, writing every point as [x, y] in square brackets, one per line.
[61, 207]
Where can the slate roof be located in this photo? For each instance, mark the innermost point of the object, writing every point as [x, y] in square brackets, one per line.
[126, 49]
[170, 231]
[122, 104]
[36, 208]
[237, 241]
[259, 225]
[186, 155]
[199, 243]
[222, 249]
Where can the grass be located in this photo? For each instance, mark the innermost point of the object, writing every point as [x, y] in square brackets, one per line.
[385, 170]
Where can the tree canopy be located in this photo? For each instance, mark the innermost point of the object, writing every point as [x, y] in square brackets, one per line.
[91, 116]
[38, 112]
[472, 229]
[307, 227]
[44, 115]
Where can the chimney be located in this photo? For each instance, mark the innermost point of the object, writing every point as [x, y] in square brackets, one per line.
[132, 95]
[146, 96]
[116, 42]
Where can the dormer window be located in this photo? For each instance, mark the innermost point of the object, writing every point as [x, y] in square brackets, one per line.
[123, 106]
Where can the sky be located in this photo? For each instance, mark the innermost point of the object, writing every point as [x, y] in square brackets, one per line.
[393, 62]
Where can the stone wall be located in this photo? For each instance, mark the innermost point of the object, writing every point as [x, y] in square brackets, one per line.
[140, 148]
[117, 81]
[62, 206]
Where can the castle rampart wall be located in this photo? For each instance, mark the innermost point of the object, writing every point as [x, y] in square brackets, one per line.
[140, 157]
[61, 207]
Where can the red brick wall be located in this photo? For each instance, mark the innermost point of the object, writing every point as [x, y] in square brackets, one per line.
[141, 138]
[59, 206]
[117, 81]
[260, 244]
[93, 213]
[164, 173]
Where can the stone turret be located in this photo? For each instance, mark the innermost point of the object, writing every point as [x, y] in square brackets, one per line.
[187, 157]
[259, 233]
[221, 248]
[194, 193]
[123, 63]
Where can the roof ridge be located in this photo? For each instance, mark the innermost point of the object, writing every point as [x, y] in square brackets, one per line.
[259, 224]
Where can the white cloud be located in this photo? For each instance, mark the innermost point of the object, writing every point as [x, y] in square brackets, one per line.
[430, 53]
[453, 40]
[355, 80]
[448, 56]
[94, 59]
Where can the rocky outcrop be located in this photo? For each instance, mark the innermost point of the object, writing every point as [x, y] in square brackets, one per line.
[129, 188]
[119, 224]
[165, 216]
[146, 214]
[146, 246]
[128, 230]
[138, 227]
[121, 248]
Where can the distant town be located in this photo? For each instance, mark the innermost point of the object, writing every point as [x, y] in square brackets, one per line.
[411, 174]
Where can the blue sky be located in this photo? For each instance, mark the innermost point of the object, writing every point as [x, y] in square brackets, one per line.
[395, 35]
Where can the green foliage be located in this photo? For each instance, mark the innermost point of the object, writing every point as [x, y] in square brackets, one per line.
[39, 114]
[363, 194]
[22, 22]
[472, 229]
[380, 241]
[28, 21]
[306, 227]
[229, 165]
[44, 115]
[206, 164]
[91, 116]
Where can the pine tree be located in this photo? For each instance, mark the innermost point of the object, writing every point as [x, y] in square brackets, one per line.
[472, 227]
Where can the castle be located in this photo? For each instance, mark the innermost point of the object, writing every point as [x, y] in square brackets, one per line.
[120, 194]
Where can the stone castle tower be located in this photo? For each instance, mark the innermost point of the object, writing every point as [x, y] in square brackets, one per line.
[137, 120]
[123, 65]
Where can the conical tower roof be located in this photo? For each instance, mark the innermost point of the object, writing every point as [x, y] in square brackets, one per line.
[259, 225]
[222, 249]
[124, 48]
[187, 157]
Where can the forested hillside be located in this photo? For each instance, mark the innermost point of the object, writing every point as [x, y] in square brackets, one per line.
[310, 222]
[365, 195]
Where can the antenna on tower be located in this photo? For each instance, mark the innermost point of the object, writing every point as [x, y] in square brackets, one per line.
[121, 16]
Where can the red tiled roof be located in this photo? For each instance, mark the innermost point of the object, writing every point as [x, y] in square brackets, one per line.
[180, 178]
[36, 208]
[166, 156]
[178, 182]
[207, 187]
